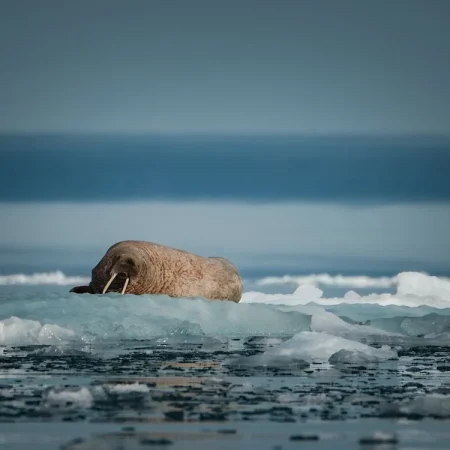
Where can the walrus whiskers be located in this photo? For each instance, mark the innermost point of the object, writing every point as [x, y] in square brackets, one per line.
[109, 283]
[125, 286]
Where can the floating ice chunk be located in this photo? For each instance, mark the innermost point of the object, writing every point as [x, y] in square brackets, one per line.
[314, 346]
[308, 347]
[351, 357]
[430, 405]
[127, 388]
[430, 324]
[52, 278]
[70, 398]
[136, 393]
[16, 331]
[324, 321]
[379, 438]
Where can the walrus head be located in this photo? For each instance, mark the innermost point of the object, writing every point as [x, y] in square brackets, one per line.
[128, 267]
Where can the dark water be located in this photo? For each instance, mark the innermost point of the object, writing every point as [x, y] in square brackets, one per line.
[171, 394]
[252, 168]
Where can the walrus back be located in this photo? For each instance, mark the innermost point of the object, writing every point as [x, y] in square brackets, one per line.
[190, 275]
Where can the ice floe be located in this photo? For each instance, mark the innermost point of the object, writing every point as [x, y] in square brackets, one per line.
[318, 347]
[429, 405]
[16, 331]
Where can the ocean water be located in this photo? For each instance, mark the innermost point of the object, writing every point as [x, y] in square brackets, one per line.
[354, 169]
[292, 364]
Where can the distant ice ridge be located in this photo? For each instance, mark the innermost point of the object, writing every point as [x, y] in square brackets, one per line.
[413, 289]
[50, 278]
[325, 279]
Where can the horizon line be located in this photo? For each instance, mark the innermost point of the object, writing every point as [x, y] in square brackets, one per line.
[225, 134]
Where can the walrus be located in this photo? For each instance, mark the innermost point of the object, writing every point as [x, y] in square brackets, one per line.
[140, 267]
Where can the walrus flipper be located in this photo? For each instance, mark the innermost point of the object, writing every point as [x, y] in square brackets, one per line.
[81, 290]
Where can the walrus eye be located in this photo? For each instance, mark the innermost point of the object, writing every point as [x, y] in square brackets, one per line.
[130, 262]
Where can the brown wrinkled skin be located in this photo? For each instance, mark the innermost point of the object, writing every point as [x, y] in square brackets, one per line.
[157, 269]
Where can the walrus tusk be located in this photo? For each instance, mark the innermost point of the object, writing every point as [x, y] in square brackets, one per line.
[125, 286]
[109, 282]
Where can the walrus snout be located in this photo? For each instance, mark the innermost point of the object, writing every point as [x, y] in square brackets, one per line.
[126, 266]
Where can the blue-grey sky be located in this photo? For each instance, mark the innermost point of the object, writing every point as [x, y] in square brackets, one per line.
[303, 66]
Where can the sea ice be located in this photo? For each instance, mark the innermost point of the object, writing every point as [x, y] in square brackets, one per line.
[430, 405]
[16, 331]
[413, 289]
[52, 318]
[104, 317]
[70, 398]
[316, 347]
[422, 285]
[435, 324]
